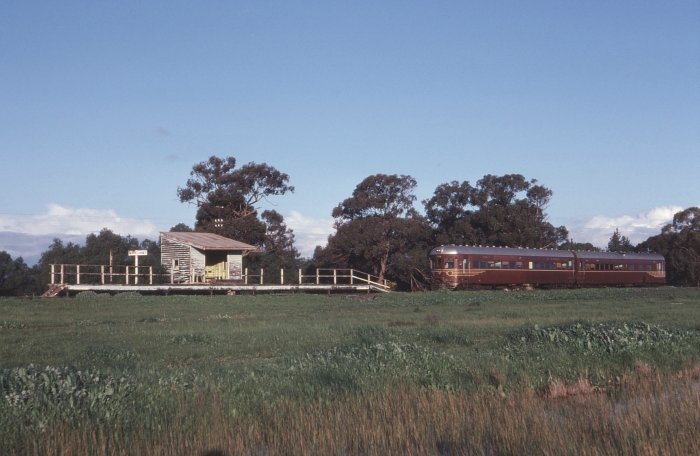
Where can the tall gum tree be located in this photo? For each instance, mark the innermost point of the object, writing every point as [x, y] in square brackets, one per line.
[503, 210]
[376, 224]
[227, 197]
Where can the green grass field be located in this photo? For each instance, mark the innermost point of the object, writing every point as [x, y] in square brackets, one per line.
[591, 371]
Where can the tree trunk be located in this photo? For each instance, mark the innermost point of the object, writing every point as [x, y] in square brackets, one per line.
[383, 262]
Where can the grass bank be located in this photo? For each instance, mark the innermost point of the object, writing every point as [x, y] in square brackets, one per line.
[434, 373]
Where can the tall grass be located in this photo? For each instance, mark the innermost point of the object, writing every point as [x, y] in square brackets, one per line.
[641, 414]
[557, 372]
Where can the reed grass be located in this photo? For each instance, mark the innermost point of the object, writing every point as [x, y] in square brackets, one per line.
[646, 414]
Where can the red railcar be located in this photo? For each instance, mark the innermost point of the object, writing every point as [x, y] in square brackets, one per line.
[456, 266]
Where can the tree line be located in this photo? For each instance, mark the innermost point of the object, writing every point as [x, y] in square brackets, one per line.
[377, 228]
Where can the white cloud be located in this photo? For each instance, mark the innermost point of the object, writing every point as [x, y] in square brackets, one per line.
[76, 221]
[597, 230]
[309, 232]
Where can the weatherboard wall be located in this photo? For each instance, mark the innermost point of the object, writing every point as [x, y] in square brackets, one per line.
[188, 264]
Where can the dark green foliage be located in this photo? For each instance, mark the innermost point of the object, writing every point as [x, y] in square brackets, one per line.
[619, 243]
[102, 249]
[226, 197]
[378, 231]
[16, 278]
[503, 210]
[679, 243]
[36, 395]
[606, 337]
[181, 227]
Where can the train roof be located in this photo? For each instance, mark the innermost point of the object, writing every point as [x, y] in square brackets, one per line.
[519, 251]
[510, 251]
[617, 256]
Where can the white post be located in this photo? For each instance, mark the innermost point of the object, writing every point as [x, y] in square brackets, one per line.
[262, 271]
[150, 275]
[318, 279]
[352, 276]
[281, 276]
[299, 276]
[102, 274]
[246, 276]
[335, 277]
[53, 278]
[136, 270]
[62, 277]
[77, 274]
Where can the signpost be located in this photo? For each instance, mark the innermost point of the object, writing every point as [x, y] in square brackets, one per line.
[136, 254]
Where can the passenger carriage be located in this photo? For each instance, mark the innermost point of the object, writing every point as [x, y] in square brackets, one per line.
[455, 266]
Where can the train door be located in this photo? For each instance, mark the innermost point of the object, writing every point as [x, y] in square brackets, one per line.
[579, 270]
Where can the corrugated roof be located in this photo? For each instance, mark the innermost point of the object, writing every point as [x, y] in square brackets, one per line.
[207, 241]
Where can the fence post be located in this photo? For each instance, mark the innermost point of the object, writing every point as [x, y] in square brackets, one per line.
[150, 275]
[335, 277]
[126, 276]
[262, 272]
[77, 274]
[352, 277]
[102, 274]
[62, 276]
[281, 276]
[246, 276]
[299, 276]
[318, 282]
[53, 279]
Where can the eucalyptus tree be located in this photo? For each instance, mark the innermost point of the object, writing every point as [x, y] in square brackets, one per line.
[227, 197]
[378, 230]
[503, 210]
[679, 243]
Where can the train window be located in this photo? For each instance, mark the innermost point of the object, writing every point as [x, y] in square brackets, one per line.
[497, 265]
[465, 262]
[505, 264]
[518, 265]
[529, 265]
[449, 265]
[619, 267]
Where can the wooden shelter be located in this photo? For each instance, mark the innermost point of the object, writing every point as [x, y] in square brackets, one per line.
[191, 257]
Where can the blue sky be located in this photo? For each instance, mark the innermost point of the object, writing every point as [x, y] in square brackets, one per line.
[105, 106]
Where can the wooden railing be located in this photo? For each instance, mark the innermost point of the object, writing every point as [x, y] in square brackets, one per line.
[84, 274]
[79, 274]
[345, 277]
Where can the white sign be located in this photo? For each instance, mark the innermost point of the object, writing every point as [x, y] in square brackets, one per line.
[138, 252]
